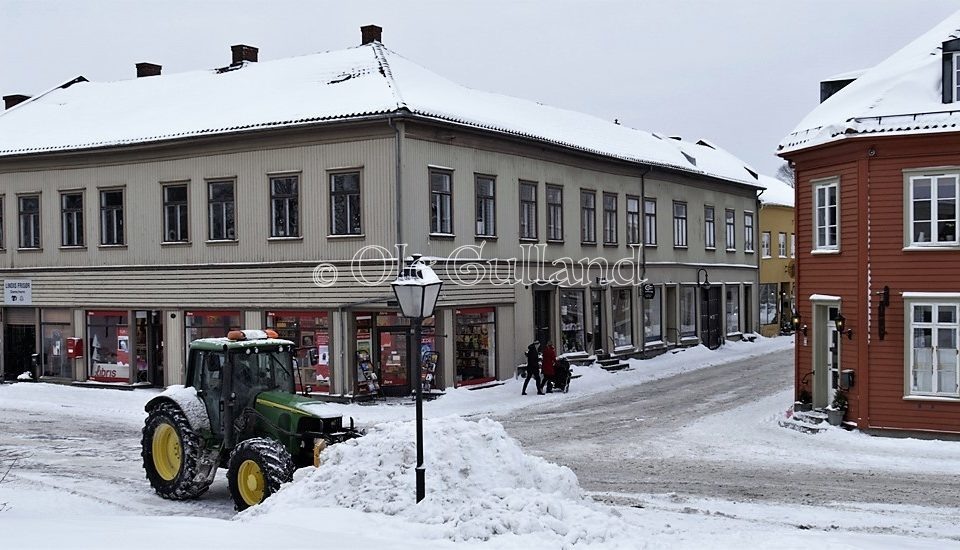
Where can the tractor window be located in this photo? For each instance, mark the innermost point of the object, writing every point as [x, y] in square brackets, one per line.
[262, 371]
[211, 373]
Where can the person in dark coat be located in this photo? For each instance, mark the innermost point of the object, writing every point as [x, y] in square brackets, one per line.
[533, 368]
[549, 358]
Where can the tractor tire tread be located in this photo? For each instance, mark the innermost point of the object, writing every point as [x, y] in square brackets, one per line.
[191, 481]
[274, 460]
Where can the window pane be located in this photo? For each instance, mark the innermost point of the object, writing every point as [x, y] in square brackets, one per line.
[946, 188]
[921, 189]
[946, 314]
[440, 182]
[175, 193]
[922, 314]
[528, 192]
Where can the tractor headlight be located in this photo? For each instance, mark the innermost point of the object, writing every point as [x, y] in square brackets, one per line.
[318, 446]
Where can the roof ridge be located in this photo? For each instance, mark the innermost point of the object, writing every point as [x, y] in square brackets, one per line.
[385, 70]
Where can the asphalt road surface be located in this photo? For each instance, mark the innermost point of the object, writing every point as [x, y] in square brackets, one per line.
[600, 439]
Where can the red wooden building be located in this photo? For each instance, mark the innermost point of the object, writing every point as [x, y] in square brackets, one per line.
[877, 203]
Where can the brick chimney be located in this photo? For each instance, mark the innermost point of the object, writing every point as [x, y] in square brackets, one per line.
[11, 101]
[242, 52]
[148, 69]
[370, 33]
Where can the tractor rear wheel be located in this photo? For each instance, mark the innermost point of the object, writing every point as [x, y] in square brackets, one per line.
[257, 468]
[172, 454]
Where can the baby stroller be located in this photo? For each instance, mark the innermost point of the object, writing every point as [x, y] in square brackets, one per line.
[561, 375]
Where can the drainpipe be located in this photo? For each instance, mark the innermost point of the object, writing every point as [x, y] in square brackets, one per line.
[643, 222]
[759, 253]
[399, 187]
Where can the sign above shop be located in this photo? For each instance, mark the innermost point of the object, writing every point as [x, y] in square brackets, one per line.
[649, 291]
[18, 292]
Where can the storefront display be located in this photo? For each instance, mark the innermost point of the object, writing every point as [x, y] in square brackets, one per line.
[622, 304]
[475, 345]
[211, 324]
[389, 335]
[572, 321]
[56, 327]
[310, 330]
[652, 325]
[109, 351]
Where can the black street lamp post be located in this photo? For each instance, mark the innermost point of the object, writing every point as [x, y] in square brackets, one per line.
[704, 284]
[417, 288]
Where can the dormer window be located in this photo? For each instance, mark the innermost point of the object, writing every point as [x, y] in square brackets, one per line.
[951, 71]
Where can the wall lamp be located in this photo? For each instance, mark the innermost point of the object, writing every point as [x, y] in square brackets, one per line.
[797, 325]
[841, 323]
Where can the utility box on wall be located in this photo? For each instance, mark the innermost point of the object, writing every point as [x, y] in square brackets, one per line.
[74, 348]
[846, 378]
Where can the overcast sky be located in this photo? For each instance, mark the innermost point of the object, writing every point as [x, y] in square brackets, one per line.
[741, 73]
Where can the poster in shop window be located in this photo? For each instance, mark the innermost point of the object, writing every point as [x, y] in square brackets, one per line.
[323, 357]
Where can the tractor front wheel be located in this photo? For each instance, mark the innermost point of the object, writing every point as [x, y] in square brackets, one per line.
[172, 454]
[257, 469]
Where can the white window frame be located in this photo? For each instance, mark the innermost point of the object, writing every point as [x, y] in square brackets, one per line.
[710, 227]
[765, 238]
[826, 185]
[910, 349]
[934, 179]
[782, 244]
[730, 225]
[956, 77]
[793, 245]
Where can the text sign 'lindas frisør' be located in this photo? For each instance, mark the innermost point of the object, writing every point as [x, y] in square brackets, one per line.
[18, 292]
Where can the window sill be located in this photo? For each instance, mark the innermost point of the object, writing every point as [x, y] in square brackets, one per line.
[588, 243]
[485, 237]
[730, 249]
[713, 248]
[444, 236]
[766, 257]
[346, 236]
[781, 257]
[610, 245]
[941, 398]
[554, 241]
[824, 251]
[73, 247]
[529, 239]
[112, 246]
[735, 334]
[680, 247]
[176, 243]
[656, 344]
[30, 249]
[227, 242]
[931, 248]
[750, 251]
[650, 245]
[283, 239]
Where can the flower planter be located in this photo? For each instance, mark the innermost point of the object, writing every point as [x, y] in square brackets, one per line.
[835, 416]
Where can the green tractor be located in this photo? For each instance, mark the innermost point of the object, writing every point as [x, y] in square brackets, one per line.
[238, 410]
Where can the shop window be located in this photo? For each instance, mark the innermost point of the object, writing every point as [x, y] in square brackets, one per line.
[732, 308]
[768, 303]
[622, 304]
[688, 312]
[311, 332]
[55, 327]
[211, 324]
[652, 319]
[475, 345]
[572, 325]
[108, 344]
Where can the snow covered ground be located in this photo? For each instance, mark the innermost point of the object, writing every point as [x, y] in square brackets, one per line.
[73, 479]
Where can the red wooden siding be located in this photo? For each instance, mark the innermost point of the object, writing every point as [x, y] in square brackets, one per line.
[877, 179]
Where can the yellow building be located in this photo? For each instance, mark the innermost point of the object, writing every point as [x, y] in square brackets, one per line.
[777, 255]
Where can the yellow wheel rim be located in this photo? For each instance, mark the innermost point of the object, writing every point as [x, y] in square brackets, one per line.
[166, 451]
[250, 482]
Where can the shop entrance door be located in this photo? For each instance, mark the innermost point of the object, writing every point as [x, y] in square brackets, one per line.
[394, 344]
[710, 327]
[541, 316]
[149, 342]
[21, 344]
[599, 342]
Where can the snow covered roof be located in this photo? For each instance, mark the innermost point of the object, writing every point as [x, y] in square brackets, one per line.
[900, 95]
[777, 193]
[364, 81]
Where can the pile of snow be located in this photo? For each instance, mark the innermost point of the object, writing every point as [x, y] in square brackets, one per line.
[25, 375]
[480, 484]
